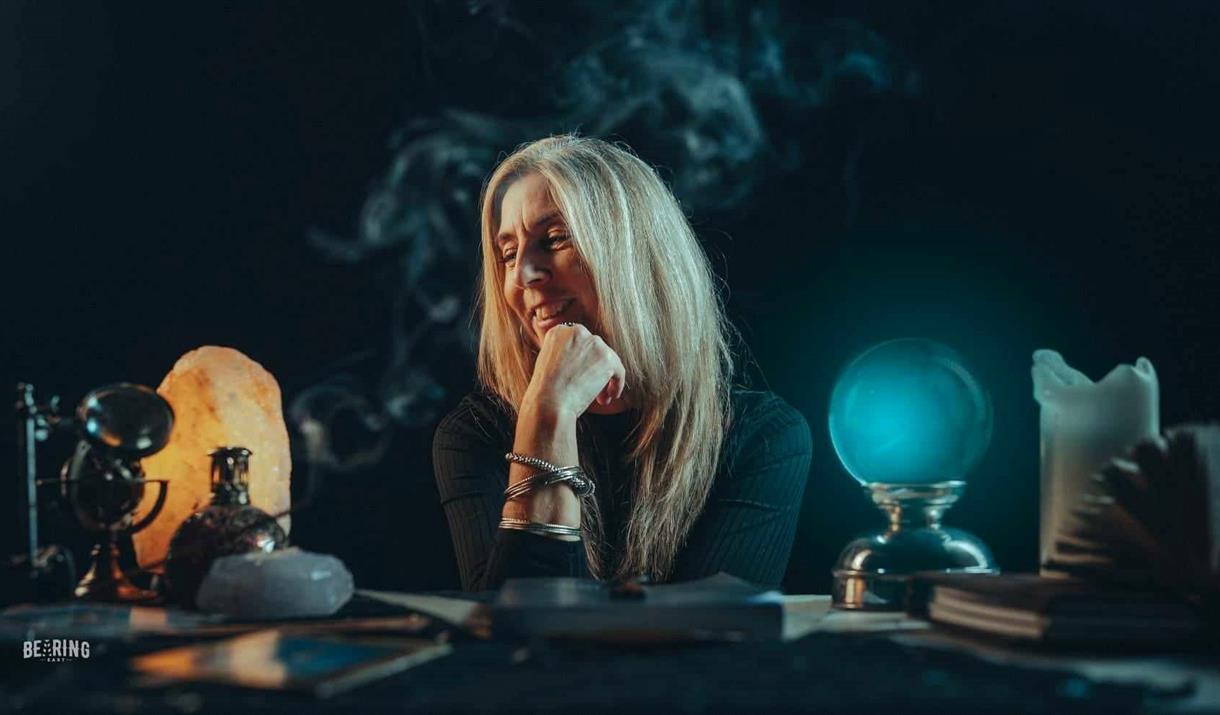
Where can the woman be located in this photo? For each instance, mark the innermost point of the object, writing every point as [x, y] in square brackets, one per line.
[604, 348]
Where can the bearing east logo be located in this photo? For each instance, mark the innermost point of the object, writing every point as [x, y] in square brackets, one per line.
[56, 650]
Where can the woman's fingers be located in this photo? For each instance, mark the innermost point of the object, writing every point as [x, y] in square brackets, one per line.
[612, 391]
[579, 364]
[618, 375]
[609, 360]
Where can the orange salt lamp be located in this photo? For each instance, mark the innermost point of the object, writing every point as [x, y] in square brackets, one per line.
[220, 398]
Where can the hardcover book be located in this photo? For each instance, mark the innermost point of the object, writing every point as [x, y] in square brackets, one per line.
[1029, 607]
[720, 607]
[278, 660]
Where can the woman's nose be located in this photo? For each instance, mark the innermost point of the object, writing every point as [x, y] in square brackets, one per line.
[533, 269]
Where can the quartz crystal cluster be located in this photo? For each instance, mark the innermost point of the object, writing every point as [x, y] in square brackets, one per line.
[288, 583]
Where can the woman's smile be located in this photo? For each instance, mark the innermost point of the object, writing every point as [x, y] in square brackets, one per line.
[550, 314]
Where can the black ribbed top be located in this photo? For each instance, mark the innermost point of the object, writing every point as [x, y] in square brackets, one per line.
[746, 528]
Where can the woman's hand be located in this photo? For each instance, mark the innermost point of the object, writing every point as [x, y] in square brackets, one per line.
[574, 369]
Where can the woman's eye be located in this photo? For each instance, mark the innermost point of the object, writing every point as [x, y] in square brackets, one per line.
[557, 241]
[508, 257]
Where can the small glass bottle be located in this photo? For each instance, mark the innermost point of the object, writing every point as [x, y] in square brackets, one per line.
[229, 525]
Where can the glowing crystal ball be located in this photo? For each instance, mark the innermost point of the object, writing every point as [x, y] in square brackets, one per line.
[909, 412]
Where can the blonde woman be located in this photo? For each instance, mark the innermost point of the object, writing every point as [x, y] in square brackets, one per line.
[605, 366]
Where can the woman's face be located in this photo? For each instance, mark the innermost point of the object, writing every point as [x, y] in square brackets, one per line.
[545, 282]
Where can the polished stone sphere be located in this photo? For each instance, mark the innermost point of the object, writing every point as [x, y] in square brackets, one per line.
[909, 411]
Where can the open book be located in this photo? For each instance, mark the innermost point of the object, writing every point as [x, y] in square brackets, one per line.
[1154, 518]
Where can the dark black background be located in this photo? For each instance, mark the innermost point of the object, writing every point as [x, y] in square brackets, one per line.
[1055, 185]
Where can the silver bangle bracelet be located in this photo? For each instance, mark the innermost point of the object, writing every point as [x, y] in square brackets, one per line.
[540, 528]
[574, 477]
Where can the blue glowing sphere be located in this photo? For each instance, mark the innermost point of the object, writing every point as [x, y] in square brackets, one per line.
[909, 412]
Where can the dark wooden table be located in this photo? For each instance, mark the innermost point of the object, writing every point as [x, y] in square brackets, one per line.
[831, 662]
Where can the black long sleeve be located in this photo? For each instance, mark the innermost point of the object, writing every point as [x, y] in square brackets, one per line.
[749, 522]
[746, 528]
[471, 474]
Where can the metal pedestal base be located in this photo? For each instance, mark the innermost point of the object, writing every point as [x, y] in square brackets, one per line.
[874, 570]
[105, 581]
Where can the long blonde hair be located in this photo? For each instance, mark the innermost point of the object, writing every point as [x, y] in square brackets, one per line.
[659, 310]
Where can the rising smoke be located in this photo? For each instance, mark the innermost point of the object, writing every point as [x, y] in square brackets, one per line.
[692, 86]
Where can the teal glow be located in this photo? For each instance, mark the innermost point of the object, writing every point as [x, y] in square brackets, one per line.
[909, 412]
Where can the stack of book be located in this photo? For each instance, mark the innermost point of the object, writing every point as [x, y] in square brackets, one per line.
[1031, 608]
[1141, 566]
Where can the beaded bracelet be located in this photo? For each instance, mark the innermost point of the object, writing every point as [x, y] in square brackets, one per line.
[528, 461]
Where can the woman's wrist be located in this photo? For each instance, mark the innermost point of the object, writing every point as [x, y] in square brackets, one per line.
[547, 431]
[554, 504]
[549, 505]
[546, 412]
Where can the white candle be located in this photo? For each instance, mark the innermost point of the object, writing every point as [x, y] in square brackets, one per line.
[1084, 425]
